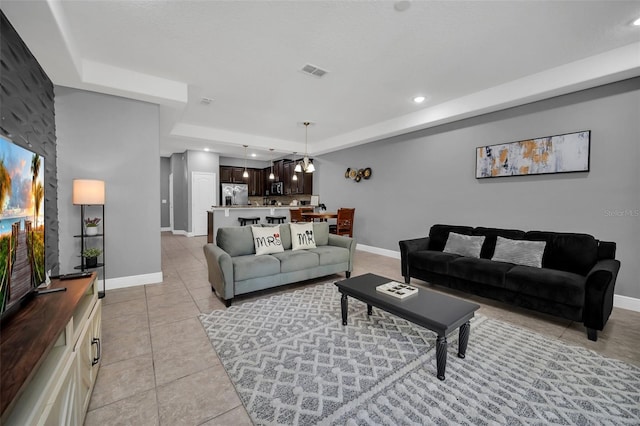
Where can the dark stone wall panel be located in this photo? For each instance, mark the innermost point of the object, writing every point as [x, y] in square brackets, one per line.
[27, 117]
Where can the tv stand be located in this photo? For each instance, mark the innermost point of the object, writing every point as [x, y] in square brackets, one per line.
[50, 354]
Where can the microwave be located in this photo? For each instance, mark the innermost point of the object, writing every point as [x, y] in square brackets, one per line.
[277, 188]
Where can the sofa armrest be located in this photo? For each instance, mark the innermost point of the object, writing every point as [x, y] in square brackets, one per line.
[406, 247]
[345, 242]
[598, 298]
[220, 270]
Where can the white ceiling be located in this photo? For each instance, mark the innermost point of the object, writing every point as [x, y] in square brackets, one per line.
[467, 58]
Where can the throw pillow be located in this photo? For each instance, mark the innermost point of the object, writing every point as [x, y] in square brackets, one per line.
[302, 236]
[520, 252]
[464, 245]
[267, 240]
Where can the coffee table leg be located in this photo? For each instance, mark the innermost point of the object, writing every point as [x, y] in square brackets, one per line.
[463, 339]
[441, 356]
[343, 304]
[369, 310]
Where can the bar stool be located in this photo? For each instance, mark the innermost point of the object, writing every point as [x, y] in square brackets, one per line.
[276, 219]
[252, 220]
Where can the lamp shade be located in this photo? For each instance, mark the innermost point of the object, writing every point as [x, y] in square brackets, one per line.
[88, 191]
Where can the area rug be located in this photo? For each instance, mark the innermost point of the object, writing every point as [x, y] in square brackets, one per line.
[293, 362]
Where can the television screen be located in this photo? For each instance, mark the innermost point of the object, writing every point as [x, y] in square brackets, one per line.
[22, 267]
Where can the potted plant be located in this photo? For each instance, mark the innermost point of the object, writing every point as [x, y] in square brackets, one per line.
[91, 257]
[91, 225]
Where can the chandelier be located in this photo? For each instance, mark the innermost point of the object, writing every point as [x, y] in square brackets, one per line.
[306, 163]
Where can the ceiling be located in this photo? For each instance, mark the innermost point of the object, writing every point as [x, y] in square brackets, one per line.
[466, 57]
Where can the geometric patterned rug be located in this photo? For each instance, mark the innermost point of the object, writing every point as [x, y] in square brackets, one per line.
[293, 363]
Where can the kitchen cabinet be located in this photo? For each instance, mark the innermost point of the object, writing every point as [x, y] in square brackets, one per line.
[229, 174]
[256, 182]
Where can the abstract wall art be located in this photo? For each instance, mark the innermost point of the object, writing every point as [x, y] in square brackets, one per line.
[551, 154]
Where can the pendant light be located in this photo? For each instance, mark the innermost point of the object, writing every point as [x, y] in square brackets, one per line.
[295, 176]
[308, 165]
[271, 175]
[246, 173]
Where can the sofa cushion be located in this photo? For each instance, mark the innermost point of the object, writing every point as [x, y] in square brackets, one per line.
[430, 260]
[331, 255]
[302, 236]
[285, 234]
[438, 235]
[464, 245]
[236, 240]
[321, 233]
[549, 284]
[297, 260]
[267, 240]
[250, 266]
[483, 271]
[490, 240]
[569, 252]
[521, 252]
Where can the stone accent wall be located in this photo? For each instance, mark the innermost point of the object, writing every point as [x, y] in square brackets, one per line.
[27, 117]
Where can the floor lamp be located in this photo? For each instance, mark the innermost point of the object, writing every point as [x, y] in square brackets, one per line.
[88, 192]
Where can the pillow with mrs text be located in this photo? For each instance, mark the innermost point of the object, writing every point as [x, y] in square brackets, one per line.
[267, 240]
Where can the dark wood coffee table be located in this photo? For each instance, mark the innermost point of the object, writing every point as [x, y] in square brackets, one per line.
[432, 310]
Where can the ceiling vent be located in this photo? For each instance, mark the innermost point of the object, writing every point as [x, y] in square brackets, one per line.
[313, 70]
[206, 101]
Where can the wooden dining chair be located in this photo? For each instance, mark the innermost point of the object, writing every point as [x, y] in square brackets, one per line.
[344, 223]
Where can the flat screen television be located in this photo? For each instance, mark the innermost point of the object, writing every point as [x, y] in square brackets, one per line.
[22, 246]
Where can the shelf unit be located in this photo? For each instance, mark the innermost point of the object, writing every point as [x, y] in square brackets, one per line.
[84, 238]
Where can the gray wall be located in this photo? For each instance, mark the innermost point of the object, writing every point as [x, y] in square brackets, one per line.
[428, 177]
[27, 117]
[200, 161]
[115, 140]
[180, 189]
[165, 170]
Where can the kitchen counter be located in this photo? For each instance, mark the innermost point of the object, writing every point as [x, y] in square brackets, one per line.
[223, 216]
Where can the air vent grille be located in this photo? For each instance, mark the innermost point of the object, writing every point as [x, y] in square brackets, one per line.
[313, 70]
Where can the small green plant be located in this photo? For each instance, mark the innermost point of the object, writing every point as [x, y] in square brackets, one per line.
[90, 222]
[91, 252]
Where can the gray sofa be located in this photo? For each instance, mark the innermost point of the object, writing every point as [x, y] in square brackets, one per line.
[235, 269]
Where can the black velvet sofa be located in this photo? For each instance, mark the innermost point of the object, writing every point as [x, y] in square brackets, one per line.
[576, 280]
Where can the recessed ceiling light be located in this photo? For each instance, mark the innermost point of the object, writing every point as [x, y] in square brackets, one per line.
[253, 154]
[419, 99]
[402, 5]
[206, 149]
[636, 22]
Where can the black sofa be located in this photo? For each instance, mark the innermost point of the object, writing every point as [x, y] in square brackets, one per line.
[576, 280]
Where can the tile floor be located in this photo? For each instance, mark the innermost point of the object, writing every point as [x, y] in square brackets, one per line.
[159, 367]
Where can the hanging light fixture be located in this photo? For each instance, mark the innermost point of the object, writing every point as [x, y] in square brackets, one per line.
[295, 176]
[308, 165]
[246, 173]
[271, 175]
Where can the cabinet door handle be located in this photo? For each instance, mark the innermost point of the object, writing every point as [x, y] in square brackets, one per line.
[96, 341]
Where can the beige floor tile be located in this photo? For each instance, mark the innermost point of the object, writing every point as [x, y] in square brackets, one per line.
[127, 345]
[154, 290]
[113, 328]
[162, 314]
[210, 304]
[177, 295]
[201, 292]
[236, 417]
[122, 379]
[121, 309]
[180, 360]
[197, 398]
[123, 295]
[140, 410]
[177, 333]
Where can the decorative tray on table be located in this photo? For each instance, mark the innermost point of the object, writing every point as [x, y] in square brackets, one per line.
[397, 290]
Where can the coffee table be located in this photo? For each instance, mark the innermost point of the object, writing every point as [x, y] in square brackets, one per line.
[432, 310]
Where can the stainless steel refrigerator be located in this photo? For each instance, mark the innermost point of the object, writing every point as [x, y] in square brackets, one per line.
[234, 194]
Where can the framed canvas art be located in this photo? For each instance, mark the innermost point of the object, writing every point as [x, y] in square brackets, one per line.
[565, 153]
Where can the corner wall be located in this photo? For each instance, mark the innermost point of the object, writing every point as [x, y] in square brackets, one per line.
[116, 140]
[428, 177]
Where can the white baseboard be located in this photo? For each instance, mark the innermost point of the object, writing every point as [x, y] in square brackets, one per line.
[623, 302]
[134, 280]
[179, 232]
[380, 251]
[626, 302]
[165, 229]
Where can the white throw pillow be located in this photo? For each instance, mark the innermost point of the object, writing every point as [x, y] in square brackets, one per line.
[302, 236]
[464, 245]
[520, 252]
[267, 240]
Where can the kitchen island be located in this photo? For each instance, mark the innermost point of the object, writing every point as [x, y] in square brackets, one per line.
[219, 217]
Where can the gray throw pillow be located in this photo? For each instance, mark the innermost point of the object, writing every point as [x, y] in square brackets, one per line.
[520, 252]
[464, 245]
